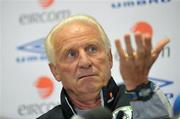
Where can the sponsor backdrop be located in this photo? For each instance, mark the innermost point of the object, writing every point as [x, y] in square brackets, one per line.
[0, 59]
[27, 86]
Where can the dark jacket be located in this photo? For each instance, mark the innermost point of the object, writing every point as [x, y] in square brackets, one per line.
[66, 109]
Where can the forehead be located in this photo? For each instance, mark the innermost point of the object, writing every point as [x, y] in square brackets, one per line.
[75, 30]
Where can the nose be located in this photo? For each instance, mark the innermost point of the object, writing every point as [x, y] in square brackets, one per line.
[84, 60]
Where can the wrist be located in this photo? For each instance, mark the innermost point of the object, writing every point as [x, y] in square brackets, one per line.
[133, 85]
[142, 92]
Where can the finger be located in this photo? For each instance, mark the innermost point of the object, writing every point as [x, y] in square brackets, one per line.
[139, 43]
[120, 49]
[156, 51]
[129, 46]
[148, 44]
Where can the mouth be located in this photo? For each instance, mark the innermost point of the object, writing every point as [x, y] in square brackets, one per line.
[86, 76]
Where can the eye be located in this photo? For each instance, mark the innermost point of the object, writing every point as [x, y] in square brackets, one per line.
[91, 49]
[72, 54]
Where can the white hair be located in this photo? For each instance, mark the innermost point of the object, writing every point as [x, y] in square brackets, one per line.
[49, 48]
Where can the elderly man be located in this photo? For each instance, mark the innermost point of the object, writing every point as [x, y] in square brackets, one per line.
[80, 57]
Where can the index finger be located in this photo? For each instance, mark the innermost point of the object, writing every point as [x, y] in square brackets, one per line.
[119, 49]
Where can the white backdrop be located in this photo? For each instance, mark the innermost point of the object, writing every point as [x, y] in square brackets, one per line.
[0, 61]
[27, 85]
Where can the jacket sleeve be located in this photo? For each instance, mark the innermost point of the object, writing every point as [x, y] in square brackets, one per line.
[158, 107]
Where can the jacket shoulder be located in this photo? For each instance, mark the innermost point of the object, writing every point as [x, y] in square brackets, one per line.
[123, 99]
[55, 113]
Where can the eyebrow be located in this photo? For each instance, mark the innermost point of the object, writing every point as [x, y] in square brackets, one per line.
[70, 46]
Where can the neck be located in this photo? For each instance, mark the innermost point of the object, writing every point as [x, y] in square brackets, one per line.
[87, 101]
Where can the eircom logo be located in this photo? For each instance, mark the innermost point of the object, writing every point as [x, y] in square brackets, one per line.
[45, 3]
[34, 51]
[143, 27]
[146, 28]
[44, 86]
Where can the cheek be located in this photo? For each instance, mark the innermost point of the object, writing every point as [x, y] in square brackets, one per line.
[67, 70]
[103, 61]
[103, 64]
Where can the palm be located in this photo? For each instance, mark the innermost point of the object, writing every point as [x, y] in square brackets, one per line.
[135, 65]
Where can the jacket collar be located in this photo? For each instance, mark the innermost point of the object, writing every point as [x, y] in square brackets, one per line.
[110, 93]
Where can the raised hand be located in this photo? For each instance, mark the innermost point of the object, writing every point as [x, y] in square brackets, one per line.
[135, 64]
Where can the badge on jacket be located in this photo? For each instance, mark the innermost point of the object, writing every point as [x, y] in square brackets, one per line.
[123, 113]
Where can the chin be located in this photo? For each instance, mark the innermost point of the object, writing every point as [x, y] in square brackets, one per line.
[91, 89]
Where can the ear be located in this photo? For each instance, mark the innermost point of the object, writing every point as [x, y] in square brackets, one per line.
[54, 72]
[110, 58]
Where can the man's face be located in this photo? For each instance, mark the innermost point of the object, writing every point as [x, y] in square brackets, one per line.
[82, 62]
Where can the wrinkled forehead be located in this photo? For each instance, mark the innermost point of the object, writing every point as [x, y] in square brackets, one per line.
[78, 26]
[74, 28]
